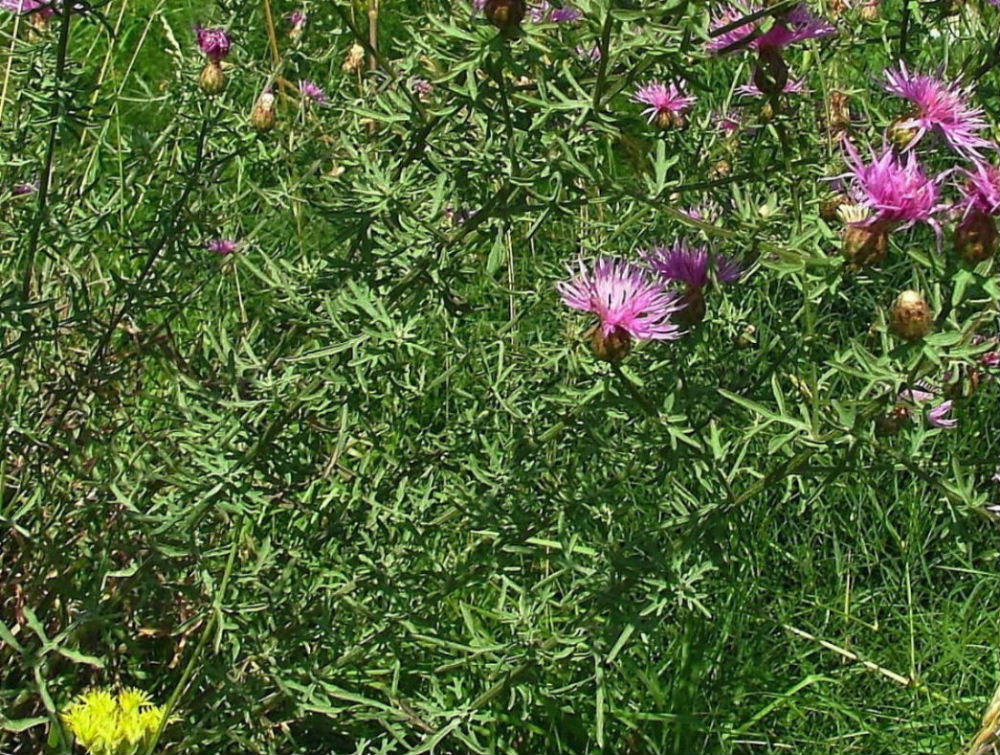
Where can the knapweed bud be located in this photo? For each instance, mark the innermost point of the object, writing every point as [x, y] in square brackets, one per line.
[892, 422]
[771, 73]
[263, 117]
[828, 207]
[297, 20]
[976, 236]
[902, 132]
[213, 78]
[506, 15]
[613, 347]
[840, 113]
[911, 317]
[861, 244]
[694, 308]
[354, 59]
[869, 11]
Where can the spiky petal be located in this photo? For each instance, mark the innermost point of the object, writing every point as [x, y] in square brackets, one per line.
[692, 265]
[982, 190]
[623, 296]
[215, 43]
[798, 25]
[666, 102]
[938, 416]
[313, 92]
[942, 107]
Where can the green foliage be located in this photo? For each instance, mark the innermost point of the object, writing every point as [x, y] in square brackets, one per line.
[361, 486]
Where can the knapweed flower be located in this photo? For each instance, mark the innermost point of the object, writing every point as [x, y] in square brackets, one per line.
[421, 87]
[792, 86]
[942, 107]
[895, 191]
[45, 8]
[910, 317]
[735, 38]
[565, 15]
[628, 303]
[691, 267]
[223, 247]
[313, 92]
[976, 237]
[667, 103]
[108, 724]
[297, 20]
[20, 190]
[215, 43]
[593, 54]
[982, 190]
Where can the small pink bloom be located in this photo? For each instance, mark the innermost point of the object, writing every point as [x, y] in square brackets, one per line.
[941, 107]
[624, 298]
[798, 25]
[44, 8]
[666, 102]
[938, 416]
[982, 190]
[691, 266]
[215, 43]
[313, 92]
[223, 247]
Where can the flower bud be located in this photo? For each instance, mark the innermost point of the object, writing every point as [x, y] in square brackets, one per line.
[828, 208]
[264, 117]
[354, 59]
[902, 132]
[668, 119]
[840, 112]
[911, 317]
[506, 15]
[976, 237]
[869, 11]
[613, 347]
[892, 422]
[694, 308]
[861, 244]
[212, 79]
[771, 72]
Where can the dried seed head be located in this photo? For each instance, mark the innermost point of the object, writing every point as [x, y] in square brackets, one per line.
[840, 112]
[828, 209]
[911, 317]
[264, 116]
[213, 78]
[613, 347]
[869, 11]
[354, 59]
[976, 236]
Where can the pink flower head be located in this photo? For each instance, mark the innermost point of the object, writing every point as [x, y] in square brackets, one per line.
[421, 86]
[666, 101]
[721, 43]
[215, 43]
[44, 8]
[798, 25]
[565, 15]
[298, 19]
[982, 191]
[223, 247]
[688, 265]
[313, 92]
[896, 191]
[942, 107]
[20, 190]
[792, 86]
[624, 298]
[938, 416]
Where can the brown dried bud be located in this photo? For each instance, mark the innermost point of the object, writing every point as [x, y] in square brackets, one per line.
[263, 117]
[506, 15]
[840, 112]
[355, 59]
[911, 317]
[869, 11]
[613, 347]
[720, 170]
[212, 79]
[828, 208]
[976, 237]
[863, 246]
[666, 119]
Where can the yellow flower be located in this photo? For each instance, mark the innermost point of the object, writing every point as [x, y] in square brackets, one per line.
[106, 724]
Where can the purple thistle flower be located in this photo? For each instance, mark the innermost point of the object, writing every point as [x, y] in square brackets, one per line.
[223, 247]
[938, 416]
[798, 25]
[20, 190]
[539, 11]
[298, 19]
[478, 5]
[667, 103]
[215, 43]
[792, 86]
[624, 298]
[691, 266]
[942, 107]
[732, 39]
[896, 192]
[313, 92]
[730, 122]
[982, 191]
[565, 15]
[45, 8]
